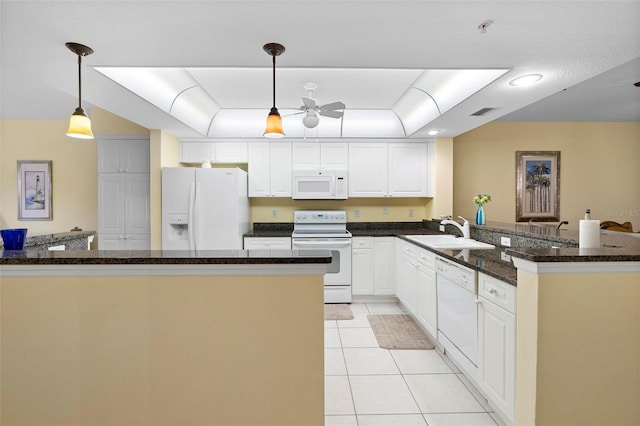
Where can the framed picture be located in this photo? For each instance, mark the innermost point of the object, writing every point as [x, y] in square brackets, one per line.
[538, 186]
[34, 190]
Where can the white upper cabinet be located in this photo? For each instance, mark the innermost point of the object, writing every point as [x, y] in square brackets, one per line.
[389, 170]
[196, 152]
[368, 170]
[320, 156]
[270, 169]
[123, 156]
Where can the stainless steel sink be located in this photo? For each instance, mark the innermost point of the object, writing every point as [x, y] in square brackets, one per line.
[449, 242]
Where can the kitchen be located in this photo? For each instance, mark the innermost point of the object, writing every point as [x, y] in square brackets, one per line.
[466, 165]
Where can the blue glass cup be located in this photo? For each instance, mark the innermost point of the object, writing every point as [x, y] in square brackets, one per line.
[13, 239]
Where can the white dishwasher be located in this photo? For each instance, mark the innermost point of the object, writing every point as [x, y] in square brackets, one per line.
[458, 314]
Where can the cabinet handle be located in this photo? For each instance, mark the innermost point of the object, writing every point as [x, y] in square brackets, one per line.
[478, 302]
[492, 291]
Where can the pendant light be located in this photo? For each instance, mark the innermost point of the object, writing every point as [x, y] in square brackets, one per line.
[79, 123]
[274, 121]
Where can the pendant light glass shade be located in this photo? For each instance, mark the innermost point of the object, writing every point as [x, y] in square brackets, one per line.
[274, 128]
[274, 125]
[79, 123]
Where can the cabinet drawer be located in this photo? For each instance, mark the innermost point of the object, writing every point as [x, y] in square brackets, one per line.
[498, 292]
[276, 243]
[427, 258]
[362, 242]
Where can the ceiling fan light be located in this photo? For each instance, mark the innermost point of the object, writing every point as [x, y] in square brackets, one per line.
[274, 128]
[80, 125]
[310, 120]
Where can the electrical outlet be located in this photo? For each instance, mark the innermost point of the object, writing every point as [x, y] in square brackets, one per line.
[441, 228]
[505, 241]
[274, 213]
[410, 212]
[385, 210]
[504, 256]
[356, 212]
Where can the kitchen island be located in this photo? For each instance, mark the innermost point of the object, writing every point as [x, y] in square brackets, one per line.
[172, 338]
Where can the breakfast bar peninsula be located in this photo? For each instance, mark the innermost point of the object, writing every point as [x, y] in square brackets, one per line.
[162, 338]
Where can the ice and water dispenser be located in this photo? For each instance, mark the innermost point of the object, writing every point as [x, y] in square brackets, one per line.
[178, 229]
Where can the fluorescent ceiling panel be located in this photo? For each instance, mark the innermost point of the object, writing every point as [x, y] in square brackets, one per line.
[195, 108]
[450, 87]
[158, 86]
[381, 123]
[415, 109]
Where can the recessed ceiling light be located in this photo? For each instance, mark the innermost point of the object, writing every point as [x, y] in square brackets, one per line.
[433, 132]
[526, 80]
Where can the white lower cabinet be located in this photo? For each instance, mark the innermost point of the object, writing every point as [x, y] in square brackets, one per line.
[497, 343]
[371, 271]
[267, 243]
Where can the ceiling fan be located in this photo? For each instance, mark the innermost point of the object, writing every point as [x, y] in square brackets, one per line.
[311, 109]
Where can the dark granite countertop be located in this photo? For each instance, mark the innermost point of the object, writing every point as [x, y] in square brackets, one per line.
[49, 239]
[163, 257]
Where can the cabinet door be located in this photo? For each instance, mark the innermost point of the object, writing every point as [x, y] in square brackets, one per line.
[306, 156]
[334, 156]
[196, 152]
[367, 170]
[280, 166]
[259, 169]
[135, 156]
[383, 269]
[426, 302]
[496, 355]
[407, 170]
[111, 242]
[362, 266]
[230, 152]
[111, 204]
[136, 204]
[137, 242]
[109, 156]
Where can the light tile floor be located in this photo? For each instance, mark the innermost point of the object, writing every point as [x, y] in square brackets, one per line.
[366, 385]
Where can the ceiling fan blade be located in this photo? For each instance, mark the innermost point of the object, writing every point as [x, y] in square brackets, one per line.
[332, 114]
[333, 106]
[309, 102]
[293, 113]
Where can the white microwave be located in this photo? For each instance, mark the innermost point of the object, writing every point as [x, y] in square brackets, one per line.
[320, 184]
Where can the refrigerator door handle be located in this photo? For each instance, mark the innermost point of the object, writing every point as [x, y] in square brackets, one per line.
[191, 225]
[196, 217]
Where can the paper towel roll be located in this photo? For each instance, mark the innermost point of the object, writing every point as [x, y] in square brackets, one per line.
[589, 234]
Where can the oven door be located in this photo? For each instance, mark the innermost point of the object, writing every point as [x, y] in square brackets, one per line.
[341, 251]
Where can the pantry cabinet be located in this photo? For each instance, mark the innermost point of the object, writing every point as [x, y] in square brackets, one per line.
[270, 169]
[497, 342]
[124, 219]
[389, 170]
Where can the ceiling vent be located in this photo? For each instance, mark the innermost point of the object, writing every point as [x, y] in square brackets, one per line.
[482, 111]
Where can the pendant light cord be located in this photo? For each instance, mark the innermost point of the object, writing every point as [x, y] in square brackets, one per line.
[79, 81]
[274, 81]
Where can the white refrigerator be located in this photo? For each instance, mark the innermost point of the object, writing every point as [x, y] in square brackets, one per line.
[204, 209]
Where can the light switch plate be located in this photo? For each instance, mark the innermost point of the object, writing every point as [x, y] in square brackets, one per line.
[505, 241]
[441, 228]
[356, 212]
[504, 256]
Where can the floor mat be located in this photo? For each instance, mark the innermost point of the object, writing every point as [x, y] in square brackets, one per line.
[398, 331]
[338, 311]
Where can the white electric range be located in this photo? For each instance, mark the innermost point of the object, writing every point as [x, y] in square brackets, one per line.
[327, 230]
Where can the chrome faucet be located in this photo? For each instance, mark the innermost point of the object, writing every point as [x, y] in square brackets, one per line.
[466, 231]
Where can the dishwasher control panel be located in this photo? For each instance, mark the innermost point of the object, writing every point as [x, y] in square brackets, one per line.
[457, 274]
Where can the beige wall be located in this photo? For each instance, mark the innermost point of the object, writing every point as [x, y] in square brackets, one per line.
[164, 153]
[74, 178]
[599, 168]
[578, 347]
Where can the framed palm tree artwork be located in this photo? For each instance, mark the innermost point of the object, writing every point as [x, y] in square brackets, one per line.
[538, 186]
